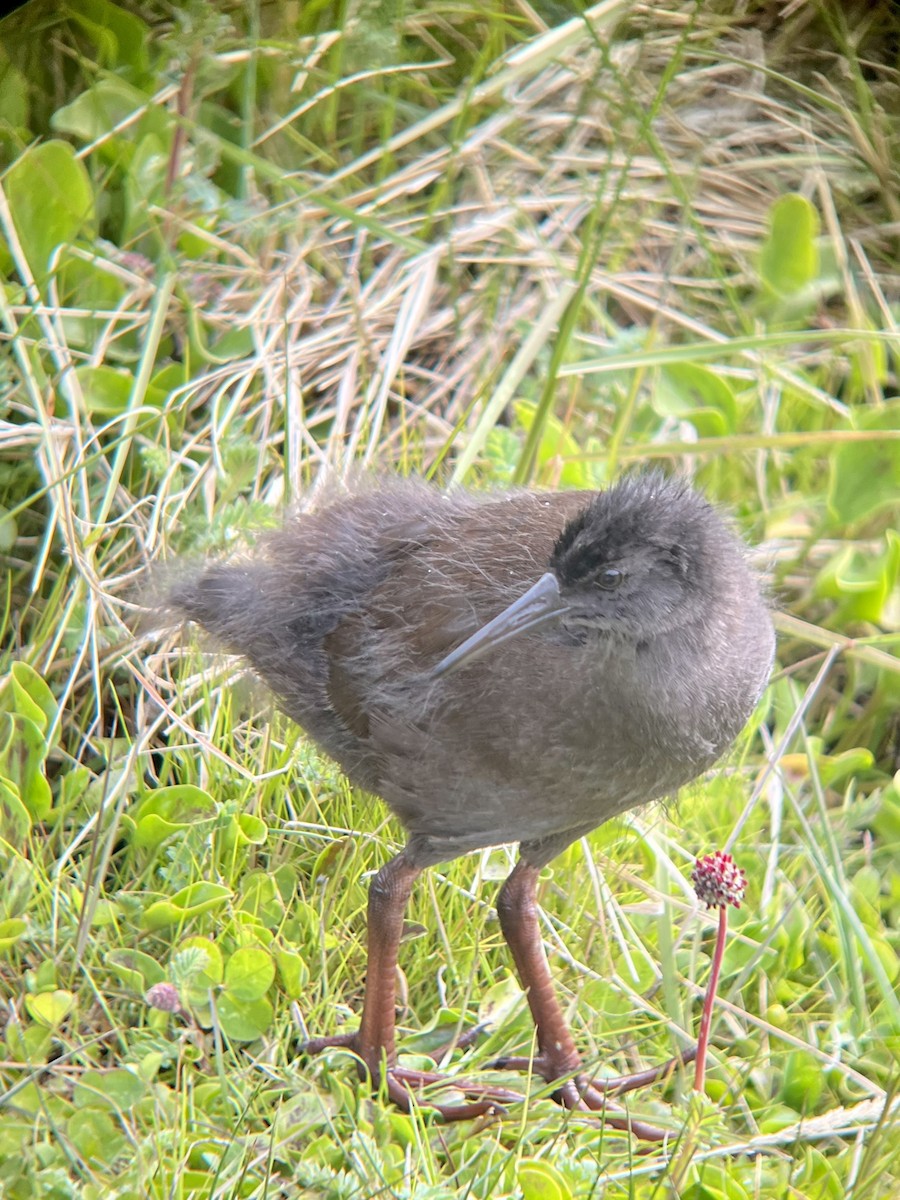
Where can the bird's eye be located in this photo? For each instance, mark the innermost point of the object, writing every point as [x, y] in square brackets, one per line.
[610, 578]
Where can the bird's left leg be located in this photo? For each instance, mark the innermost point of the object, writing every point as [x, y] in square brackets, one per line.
[558, 1057]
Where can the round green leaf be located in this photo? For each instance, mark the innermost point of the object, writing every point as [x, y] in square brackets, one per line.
[243, 1021]
[249, 974]
[198, 963]
[95, 111]
[541, 1181]
[12, 930]
[106, 390]
[118, 1089]
[244, 829]
[50, 1008]
[95, 1135]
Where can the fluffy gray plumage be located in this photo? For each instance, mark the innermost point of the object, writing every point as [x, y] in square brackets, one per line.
[640, 686]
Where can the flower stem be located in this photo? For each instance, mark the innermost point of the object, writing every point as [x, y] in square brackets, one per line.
[706, 1018]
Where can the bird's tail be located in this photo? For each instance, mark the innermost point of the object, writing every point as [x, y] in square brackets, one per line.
[223, 598]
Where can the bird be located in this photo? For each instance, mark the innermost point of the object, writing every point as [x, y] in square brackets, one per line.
[498, 667]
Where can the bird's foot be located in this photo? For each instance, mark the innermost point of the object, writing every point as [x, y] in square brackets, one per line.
[580, 1093]
[402, 1084]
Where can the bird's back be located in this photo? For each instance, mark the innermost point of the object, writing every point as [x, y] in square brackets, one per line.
[351, 604]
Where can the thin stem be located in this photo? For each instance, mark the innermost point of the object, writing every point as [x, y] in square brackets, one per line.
[706, 1018]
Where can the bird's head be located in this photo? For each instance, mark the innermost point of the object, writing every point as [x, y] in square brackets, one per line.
[643, 558]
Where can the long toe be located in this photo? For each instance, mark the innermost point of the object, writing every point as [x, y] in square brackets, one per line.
[346, 1041]
[579, 1093]
[581, 1096]
[487, 1097]
[404, 1083]
[617, 1085]
[402, 1095]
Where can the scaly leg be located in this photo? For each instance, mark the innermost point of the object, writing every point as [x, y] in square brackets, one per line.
[374, 1041]
[558, 1057]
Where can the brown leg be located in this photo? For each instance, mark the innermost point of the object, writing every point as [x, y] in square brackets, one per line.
[517, 910]
[374, 1041]
[557, 1056]
[389, 893]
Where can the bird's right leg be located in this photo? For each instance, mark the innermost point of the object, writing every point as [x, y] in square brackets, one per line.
[374, 1041]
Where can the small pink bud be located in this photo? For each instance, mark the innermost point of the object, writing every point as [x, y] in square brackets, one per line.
[718, 880]
[163, 996]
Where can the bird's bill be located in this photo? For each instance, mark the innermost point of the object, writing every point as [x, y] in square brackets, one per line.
[540, 604]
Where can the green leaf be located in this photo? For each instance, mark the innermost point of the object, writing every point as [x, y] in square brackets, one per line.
[696, 394]
[22, 754]
[249, 974]
[190, 902]
[539, 1180]
[803, 1081]
[556, 443]
[712, 1181]
[789, 257]
[137, 970]
[120, 36]
[817, 1177]
[244, 829]
[248, 930]
[11, 931]
[50, 1009]
[94, 112]
[21, 879]
[13, 94]
[294, 973]
[145, 182]
[28, 1043]
[326, 865]
[261, 898]
[93, 288]
[118, 1089]
[864, 584]
[171, 810]
[198, 965]
[499, 1001]
[164, 382]
[243, 1021]
[865, 476]
[32, 696]
[66, 209]
[95, 1135]
[15, 821]
[106, 390]
[236, 343]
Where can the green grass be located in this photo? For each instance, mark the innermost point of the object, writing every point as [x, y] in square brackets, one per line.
[247, 248]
